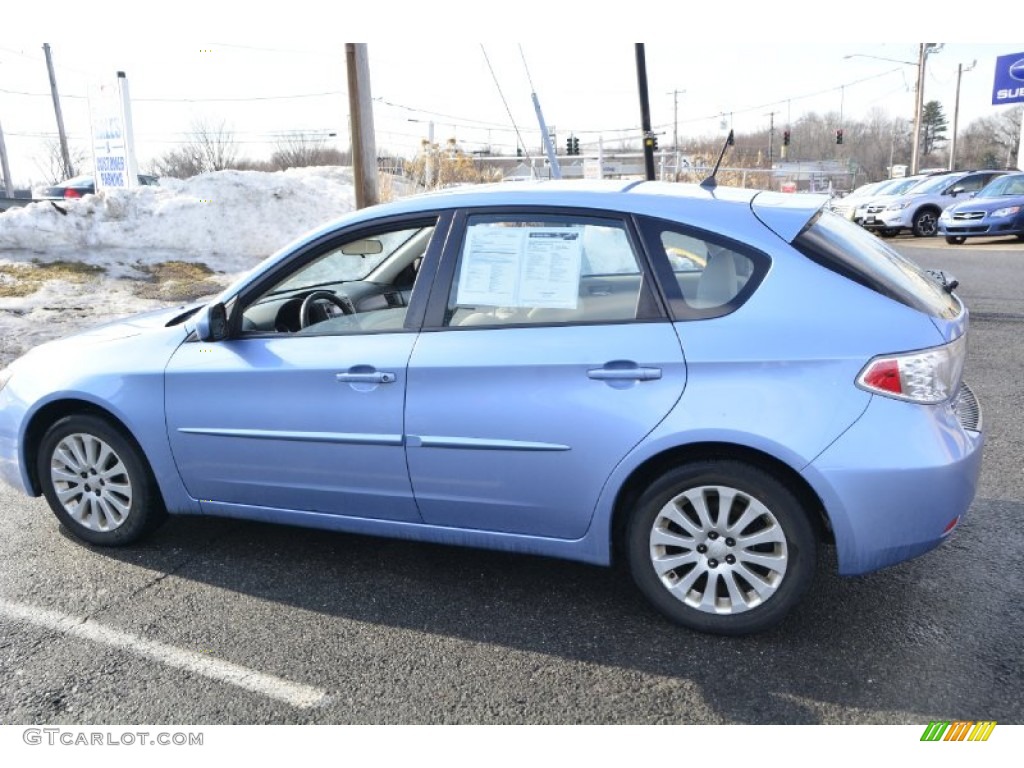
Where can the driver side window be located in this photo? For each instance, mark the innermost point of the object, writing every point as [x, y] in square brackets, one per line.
[360, 284]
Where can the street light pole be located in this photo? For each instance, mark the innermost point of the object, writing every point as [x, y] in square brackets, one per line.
[960, 69]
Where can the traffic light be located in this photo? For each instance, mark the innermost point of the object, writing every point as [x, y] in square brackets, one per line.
[785, 138]
[519, 151]
[839, 136]
[568, 146]
[654, 143]
[575, 145]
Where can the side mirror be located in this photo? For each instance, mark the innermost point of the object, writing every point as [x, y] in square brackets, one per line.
[212, 323]
[956, 191]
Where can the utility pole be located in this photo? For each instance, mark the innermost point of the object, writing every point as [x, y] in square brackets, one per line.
[675, 120]
[65, 155]
[364, 150]
[645, 111]
[8, 182]
[960, 69]
[771, 139]
[922, 58]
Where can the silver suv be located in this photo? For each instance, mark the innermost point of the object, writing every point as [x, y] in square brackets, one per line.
[919, 209]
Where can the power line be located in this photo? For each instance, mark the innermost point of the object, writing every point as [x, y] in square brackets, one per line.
[519, 136]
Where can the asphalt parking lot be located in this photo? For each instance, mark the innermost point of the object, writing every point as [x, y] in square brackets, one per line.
[218, 621]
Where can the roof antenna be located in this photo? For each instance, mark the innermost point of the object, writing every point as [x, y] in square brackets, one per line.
[710, 182]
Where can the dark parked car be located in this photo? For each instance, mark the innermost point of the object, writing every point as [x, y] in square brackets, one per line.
[80, 186]
[996, 211]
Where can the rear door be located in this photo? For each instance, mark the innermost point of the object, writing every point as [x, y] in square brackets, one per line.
[545, 359]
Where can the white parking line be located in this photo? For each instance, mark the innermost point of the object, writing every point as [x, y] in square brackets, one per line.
[295, 694]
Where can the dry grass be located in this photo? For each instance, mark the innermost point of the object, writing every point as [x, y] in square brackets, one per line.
[176, 281]
[26, 279]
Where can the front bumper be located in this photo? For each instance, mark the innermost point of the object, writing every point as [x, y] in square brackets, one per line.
[898, 482]
[12, 471]
[981, 227]
[885, 220]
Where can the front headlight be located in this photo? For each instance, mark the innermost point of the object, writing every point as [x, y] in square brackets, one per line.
[1012, 210]
[898, 206]
[946, 215]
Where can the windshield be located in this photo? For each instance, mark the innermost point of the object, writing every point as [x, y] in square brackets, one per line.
[1004, 186]
[852, 251]
[904, 185]
[354, 261]
[936, 184]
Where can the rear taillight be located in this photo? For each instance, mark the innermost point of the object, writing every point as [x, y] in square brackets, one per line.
[71, 192]
[927, 376]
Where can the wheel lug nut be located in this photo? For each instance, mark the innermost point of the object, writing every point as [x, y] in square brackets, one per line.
[730, 559]
[730, 542]
[712, 535]
[713, 563]
[701, 548]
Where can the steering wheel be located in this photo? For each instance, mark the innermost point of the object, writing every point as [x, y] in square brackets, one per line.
[344, 303]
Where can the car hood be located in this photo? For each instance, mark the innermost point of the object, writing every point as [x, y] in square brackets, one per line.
[134, 325]
[989, 203]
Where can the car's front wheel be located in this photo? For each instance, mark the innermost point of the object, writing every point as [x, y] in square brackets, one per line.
[97, 481]
[926, 223]
[721, 546]
[956, 239]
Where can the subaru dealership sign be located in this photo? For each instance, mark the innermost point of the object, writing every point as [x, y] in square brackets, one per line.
[1009, 83]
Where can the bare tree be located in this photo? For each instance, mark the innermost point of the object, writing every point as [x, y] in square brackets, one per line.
[211, 147]
[51, 161]
[301, 150]
[991, 142]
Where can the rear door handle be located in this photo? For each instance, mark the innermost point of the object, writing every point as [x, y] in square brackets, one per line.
[625, 374]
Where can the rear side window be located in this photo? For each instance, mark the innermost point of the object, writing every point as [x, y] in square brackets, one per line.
[850, 250]
[703, 275]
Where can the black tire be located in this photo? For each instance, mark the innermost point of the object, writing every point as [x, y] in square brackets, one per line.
[656, 532]
[956, 239]
[97, 482]
[926, 223]
[888, 232]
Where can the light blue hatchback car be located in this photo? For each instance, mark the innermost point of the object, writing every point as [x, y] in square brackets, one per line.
[708, 384]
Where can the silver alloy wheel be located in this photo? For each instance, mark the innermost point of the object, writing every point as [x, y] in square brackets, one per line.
[91, 482]
[718, 549]
[926, 224]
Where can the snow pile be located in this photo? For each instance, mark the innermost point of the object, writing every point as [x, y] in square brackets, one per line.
[230, 220]
[100, 257]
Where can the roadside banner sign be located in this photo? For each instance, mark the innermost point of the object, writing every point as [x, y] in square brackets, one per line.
[112, 145]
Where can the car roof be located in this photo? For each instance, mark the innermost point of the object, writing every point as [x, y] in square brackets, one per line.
[722, 208]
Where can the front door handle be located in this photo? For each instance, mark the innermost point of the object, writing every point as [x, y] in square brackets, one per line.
[366, 377]
[625, 374]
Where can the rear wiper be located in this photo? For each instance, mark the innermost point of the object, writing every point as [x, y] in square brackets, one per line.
[948, 282]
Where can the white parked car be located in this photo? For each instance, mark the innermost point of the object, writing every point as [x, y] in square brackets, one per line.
[919, 209]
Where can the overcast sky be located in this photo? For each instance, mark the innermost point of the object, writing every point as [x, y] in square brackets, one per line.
[275, 69]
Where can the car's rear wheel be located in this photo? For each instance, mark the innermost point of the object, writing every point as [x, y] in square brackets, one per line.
[721, 546]
[956, 239]
[926, 223]
[97, 482]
